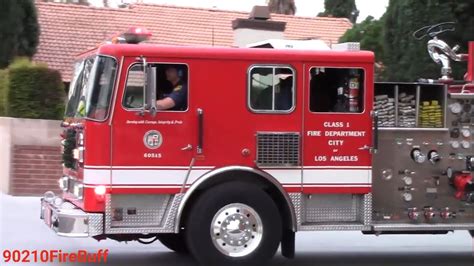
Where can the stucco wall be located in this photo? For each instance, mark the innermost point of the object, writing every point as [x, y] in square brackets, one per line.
[20, 131]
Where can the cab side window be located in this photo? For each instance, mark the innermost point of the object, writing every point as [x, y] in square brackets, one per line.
[271, 89]
[171, 83]
[134, 88]
[336, 90]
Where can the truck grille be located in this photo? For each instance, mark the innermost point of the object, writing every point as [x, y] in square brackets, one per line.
[69, 144]
[278, 149]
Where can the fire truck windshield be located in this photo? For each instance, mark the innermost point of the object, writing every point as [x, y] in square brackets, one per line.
[91, 88]
[76, 98]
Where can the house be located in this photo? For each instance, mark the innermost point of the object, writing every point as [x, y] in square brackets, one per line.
[68, 29]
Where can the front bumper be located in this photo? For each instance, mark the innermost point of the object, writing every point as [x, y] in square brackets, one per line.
[67, 220]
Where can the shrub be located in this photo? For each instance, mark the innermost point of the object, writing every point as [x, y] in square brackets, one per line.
[33, 91]
[3, 91]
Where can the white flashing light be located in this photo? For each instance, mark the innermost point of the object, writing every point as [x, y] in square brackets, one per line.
[100, 190]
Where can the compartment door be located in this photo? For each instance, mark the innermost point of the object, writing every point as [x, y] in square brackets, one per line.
[337, 130]
[151, 153]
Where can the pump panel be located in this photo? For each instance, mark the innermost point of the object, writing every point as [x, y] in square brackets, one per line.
[422, 171]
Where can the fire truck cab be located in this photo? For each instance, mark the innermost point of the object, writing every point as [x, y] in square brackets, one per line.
[227, 152]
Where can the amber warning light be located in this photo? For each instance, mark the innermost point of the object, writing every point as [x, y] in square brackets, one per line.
[133, 35]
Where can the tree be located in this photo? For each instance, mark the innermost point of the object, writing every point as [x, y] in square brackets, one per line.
[8, 31]
[369, 34]
[29, 36]
[286, 7]
[19, 30]
[405, 58]
[340, 9]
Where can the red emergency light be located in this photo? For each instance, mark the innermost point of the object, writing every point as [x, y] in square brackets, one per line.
[136, 35]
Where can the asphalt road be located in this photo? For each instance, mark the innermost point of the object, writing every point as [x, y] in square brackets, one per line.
[21, 229]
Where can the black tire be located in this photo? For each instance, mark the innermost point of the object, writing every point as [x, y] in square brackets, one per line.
[175, 242]
[216, 200]
[472, 233]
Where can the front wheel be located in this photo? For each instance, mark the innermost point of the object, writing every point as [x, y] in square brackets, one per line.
[233, 223]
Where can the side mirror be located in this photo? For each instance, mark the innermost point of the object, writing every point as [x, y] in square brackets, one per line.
[150, 89]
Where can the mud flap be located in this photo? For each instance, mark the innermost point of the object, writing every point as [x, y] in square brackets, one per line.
[288, 244]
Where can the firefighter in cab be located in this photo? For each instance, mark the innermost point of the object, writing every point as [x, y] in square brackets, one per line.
[174, 99]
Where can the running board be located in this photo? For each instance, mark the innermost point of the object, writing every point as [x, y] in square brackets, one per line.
[387, 228]
[405, 232]
[334, 227]
[420, 227]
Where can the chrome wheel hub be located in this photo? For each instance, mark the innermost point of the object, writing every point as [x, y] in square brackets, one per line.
[236, 230]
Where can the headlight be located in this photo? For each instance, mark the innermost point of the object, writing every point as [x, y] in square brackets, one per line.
[78, 154]
[64, 183]
[58, 201]
[63, 143]
[49, 196]
[78, 190]
[80, 139]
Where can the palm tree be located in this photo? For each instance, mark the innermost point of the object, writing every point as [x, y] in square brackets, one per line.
[286, 7]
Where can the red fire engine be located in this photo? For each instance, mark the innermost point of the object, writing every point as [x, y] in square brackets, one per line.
[262, 143]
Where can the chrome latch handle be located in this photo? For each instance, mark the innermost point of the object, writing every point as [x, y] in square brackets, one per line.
[187, 147]
[365, 147]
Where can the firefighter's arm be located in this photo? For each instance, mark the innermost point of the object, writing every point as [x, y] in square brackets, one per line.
[165, 103]
[177, 98]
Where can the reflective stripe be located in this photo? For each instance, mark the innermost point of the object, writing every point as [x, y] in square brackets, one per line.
[288, 177]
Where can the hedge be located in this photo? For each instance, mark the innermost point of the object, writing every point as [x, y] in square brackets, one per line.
[3, 91]
[31, 91]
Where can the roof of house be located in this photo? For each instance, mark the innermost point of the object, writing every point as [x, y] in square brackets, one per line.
[67, 29]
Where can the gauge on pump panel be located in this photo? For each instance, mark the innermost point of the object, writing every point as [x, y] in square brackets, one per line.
[465, 144]
[454, 133]
[455, 108]
[455, 144]
[466, 132]
[407, 197]
[387, 174]
[408, 180]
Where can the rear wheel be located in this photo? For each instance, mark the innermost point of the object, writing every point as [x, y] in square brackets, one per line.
[175, 242]
[233, 223]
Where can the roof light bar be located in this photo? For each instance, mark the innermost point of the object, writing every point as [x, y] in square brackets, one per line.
[136, 35]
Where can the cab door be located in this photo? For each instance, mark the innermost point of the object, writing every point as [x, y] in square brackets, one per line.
[337, 129]
[150, 151]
